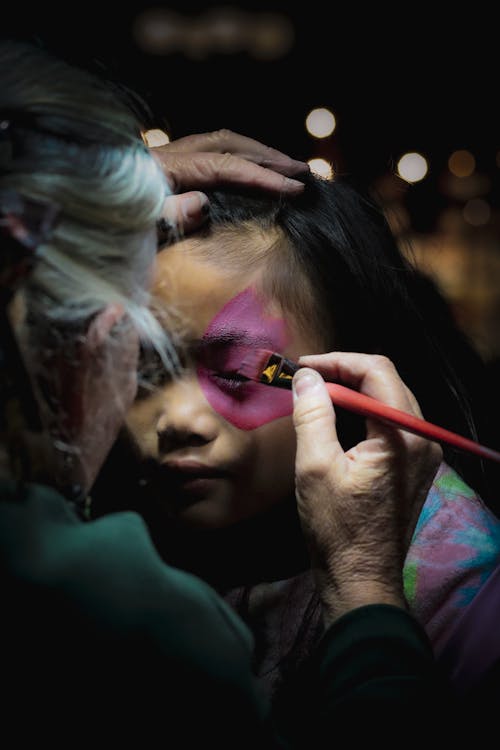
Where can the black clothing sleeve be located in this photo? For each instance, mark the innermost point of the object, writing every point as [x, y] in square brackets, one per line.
[372, 676]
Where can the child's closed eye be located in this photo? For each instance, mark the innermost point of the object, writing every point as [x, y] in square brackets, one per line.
[231, 381]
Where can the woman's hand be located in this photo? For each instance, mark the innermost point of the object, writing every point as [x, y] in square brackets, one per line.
[358, 508]
[206, 160]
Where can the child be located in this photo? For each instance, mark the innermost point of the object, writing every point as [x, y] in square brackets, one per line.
[305, 275]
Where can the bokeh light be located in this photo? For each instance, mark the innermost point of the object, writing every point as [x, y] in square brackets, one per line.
[477, 212]
[461, 163]
[321, 167]
[216, 31]
[412, 167]
[320, 122]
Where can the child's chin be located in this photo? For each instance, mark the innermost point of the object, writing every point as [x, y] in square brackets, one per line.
[209, 513]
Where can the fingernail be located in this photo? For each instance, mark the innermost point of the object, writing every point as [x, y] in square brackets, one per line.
[194, 205]
[305, 381]
[294, 186]
[301, 166]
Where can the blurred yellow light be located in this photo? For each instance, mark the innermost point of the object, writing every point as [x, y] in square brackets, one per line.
[158, 31]
[461, 163]
[477, 212]
[272, 36]
[412, 167]
[320, 122]
[322, 168]
[155, 137]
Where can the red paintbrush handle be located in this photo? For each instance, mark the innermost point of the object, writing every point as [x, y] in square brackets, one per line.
[370, 407]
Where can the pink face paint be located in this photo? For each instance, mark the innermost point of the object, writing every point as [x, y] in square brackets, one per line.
[241, 324]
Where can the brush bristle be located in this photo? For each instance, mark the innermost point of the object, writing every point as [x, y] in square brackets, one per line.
[254, 362]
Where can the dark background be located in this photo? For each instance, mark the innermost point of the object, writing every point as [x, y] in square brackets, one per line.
[404, 79]
[396, 80]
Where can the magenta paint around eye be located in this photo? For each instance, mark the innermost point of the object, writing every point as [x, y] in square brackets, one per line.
[242, 320]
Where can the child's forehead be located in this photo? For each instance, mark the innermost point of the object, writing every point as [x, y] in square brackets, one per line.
[199, 291]
[238, 247]
[194, 269]
[203, 273]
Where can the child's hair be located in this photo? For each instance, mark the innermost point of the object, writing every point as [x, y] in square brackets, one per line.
[333, 262]
[72, 140]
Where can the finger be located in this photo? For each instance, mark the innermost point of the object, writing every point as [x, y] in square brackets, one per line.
[202, 170]
[414, 403]
[226, 141]
[183, 214]
[314, 421]
[372, 374]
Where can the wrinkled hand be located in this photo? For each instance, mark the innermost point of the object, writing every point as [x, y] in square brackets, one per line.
[221, 157]
[358, 508]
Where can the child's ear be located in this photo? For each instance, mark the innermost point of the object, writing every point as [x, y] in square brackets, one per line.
[101, 325]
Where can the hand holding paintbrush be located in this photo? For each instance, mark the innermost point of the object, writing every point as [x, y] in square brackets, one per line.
[270, 368]
[358, 508]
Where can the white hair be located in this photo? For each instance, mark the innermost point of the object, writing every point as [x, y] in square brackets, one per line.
[71, 139]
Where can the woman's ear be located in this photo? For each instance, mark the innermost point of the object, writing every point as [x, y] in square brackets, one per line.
[86, 356]
[101, 325]
[90, 389]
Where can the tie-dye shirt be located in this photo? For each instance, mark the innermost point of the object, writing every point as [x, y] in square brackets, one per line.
[454, 550]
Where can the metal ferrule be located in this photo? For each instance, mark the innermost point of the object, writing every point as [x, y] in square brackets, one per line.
[279, 372]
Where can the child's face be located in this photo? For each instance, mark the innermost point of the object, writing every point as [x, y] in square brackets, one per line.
[226, 447]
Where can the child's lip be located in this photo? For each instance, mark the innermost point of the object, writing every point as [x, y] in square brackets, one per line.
[187, 468]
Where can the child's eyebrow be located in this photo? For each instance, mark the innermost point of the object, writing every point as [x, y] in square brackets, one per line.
[195, 345]
[231, 338]
[217, 351]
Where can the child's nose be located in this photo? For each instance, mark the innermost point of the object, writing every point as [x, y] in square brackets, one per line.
[186, 417]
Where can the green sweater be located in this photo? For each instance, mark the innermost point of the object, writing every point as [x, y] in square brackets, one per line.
[101, 639]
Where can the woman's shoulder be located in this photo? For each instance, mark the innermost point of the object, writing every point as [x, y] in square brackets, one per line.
[108, 567]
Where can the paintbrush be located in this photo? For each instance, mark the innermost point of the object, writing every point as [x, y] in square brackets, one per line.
[270, 368]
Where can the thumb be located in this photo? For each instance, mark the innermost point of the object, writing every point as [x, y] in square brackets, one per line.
[184, 213]
[314, 420]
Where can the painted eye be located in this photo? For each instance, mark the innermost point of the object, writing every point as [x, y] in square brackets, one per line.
[229, 381]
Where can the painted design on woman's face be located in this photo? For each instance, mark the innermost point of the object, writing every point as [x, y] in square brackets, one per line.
[239, 328]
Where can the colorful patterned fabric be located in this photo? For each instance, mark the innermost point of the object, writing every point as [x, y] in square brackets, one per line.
[454, 550]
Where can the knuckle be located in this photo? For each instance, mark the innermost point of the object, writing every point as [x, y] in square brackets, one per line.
[223, 165]
[381, 362]
[436, 453]
[222, 136]
[425, 450]
[227, 156]
[225, 133]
